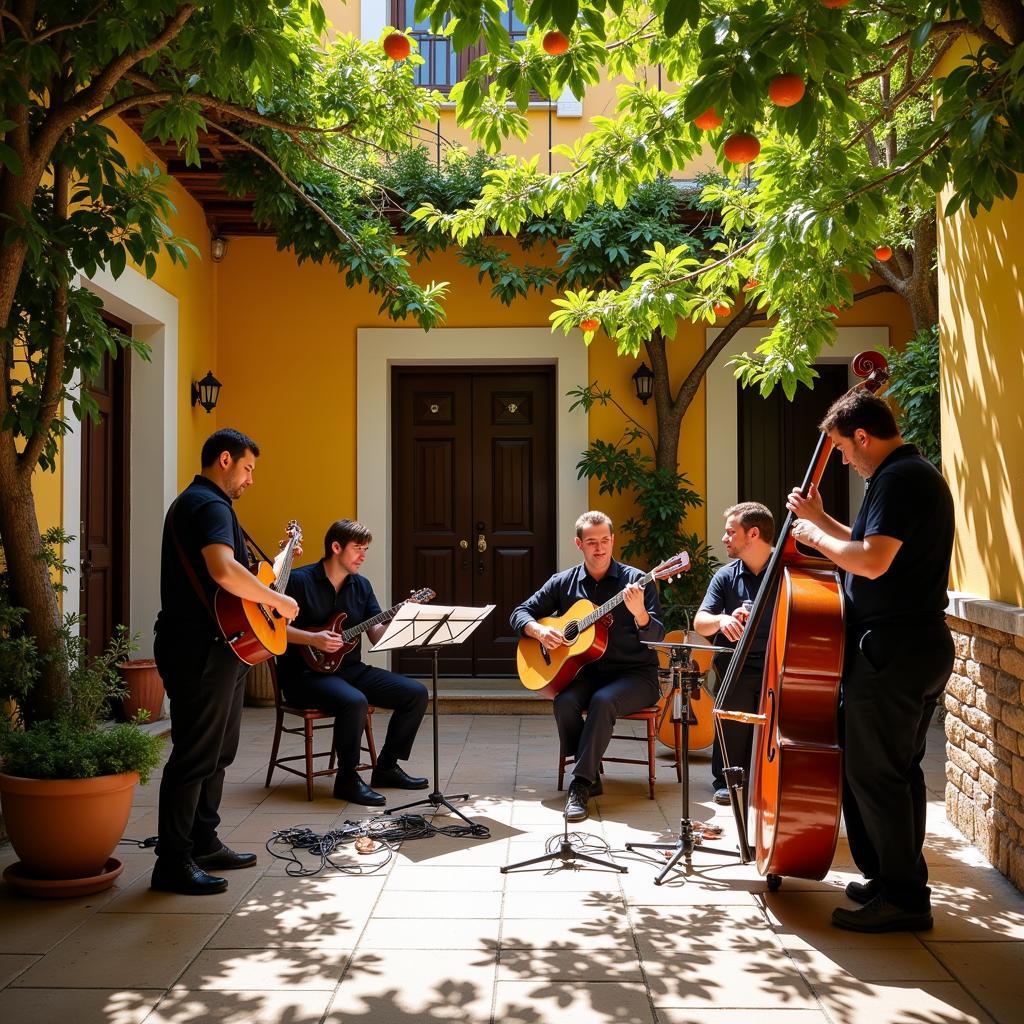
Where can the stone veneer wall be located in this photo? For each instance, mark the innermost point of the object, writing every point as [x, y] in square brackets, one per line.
[984, 706]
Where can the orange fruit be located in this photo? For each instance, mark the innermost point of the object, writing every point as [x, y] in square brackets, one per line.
[590, 324]
[556, 43]
[397, 46]
[741, 148]
[750, 285]
[883, 253]
[708, 121]
[786, 90]
[721, 309]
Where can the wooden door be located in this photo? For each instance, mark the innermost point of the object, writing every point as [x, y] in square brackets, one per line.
[103, 594]
[777, 439]
[474, 505]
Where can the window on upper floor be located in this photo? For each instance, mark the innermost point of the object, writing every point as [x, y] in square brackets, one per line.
[442, 67]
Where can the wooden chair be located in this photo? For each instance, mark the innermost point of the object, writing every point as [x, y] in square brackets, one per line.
[312, 719]
[652, 716]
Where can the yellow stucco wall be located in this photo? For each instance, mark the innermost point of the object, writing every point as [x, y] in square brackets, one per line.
[981, 313]
[195, 289]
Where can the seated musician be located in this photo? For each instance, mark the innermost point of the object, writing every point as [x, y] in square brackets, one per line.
[748, 536]
[323, 589]
[624, 679]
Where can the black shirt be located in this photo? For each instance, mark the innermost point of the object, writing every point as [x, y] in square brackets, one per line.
[318, 603]
[626, 651]
[729, 588]
[202, 515]
[907, 499]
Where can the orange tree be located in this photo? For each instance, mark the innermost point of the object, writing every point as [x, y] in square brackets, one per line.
[312, 119]
[896, 102]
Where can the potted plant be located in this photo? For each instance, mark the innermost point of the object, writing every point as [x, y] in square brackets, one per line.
[66, 782]
[144, 688]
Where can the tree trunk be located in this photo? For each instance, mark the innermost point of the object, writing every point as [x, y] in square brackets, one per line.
[29, 578]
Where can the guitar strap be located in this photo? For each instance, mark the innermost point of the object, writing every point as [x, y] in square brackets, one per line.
[185, 563]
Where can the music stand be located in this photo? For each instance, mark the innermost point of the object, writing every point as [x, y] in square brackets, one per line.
[431, 627]
[686, 680]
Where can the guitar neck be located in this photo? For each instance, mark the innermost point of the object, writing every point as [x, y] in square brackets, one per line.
[286, 567]
[349, 634]
[613, 602]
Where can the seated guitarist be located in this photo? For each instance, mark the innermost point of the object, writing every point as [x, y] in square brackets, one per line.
[323, 589]
[624, 679]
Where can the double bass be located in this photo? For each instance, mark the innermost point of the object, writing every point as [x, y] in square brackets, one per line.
[797, 787]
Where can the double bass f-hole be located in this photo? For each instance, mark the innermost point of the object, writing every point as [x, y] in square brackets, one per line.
[770, 725]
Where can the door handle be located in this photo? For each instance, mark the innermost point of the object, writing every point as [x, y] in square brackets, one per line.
[464, 544]
[481, 543]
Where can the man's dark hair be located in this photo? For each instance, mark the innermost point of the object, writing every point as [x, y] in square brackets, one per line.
[234, 442]
[751, 514]
[344, 531]
[860, 410]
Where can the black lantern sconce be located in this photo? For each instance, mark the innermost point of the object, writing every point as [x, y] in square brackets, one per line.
[643, 381]
[206, 392]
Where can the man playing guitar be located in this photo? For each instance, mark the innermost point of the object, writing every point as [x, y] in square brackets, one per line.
[324, 589]
[624, 679]
[203, 548]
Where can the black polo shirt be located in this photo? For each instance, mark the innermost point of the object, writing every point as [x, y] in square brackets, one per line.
[318, 603]
[626, 651]
[729, 588]
[202, 515]
[907, 499]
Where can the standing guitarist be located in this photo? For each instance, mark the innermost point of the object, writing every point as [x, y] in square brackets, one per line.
[323, 589]
[624, 679]
[203, 549]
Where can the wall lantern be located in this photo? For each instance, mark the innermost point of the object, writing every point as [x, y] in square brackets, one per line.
[218, 245]
[206, 392]
[643, 381]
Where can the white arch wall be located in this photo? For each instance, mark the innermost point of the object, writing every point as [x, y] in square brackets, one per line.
[153, 444]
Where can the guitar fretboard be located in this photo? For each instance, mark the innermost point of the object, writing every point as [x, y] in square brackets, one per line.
[613, 602]
[348, 634]
[286, 567]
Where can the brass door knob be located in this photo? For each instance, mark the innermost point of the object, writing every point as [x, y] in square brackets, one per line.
[481, 542]
[464, 544]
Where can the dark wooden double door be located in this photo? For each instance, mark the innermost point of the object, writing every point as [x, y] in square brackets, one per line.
[474, 500]
[777, 438]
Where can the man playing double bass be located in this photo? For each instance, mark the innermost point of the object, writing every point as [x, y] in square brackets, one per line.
[899, 653]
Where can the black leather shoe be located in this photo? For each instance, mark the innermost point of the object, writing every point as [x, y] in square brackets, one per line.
[225, 859]
[186, 877]
[721, 796]
[576, 803]
[355, 791]
[396, 778]
[881, 916]
[863, 892]
[597, 788]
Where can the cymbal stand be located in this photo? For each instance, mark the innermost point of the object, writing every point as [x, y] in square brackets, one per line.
[686, 681]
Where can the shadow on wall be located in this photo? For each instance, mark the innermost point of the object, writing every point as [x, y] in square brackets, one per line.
[983, 386]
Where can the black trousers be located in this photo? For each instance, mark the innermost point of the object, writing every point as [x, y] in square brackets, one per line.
[892, 680]
[347, 695]
[745, 695]
[605, 697]
[205, 682]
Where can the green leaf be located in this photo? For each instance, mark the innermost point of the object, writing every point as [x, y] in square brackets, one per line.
[920, 35]
[565, 12]
[678, 12]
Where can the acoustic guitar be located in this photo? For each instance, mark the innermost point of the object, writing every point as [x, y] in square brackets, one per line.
[252, 630]
[328, 661]
[585, 628]
[702, 730]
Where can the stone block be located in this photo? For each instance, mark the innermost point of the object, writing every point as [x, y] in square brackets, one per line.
[1017, 769]
[961, 689]
[1007, 687]
[984, 758]
[1004, 771]
[963, 761]
[981, 723]
[1012, 660]
[985, 652]
[961, 644]
[984, 790]
[1006, 737]
[1013, 716]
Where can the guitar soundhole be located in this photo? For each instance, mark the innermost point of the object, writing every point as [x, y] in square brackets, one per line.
[571, 631]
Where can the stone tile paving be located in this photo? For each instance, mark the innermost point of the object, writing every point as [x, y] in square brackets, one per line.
[439, 934]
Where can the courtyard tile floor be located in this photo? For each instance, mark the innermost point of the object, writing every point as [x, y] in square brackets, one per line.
[439, 934]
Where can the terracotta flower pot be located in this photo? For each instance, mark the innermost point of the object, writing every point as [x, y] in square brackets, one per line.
[66, 828]
[145, 689]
